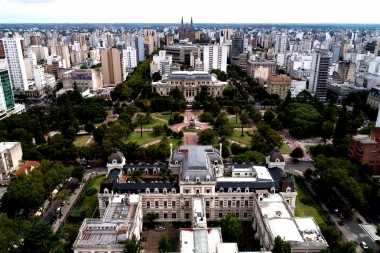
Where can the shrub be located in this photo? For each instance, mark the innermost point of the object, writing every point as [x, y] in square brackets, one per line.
[76, 215]
[250, 133]
[90, 191]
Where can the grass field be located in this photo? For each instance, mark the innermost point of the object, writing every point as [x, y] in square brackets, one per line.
[305, 210]
[90, 203]
[163, 115]
[80, 140]
[285, 149]
[236, 136]
[146, 137]
[232, 122]
[151, 124]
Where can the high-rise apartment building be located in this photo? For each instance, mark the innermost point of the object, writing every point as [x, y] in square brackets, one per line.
[280, 45]
[15, 60]
[130, 58]
[7, 101]
[214, 57]
[2, 52]
[319, 73]
[63, 51]
[237, 46]
[112, 67]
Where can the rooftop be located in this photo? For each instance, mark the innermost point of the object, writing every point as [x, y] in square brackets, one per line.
[7, 145]
[26, 167]
[199, 240]
[363, 138]
[279, 79]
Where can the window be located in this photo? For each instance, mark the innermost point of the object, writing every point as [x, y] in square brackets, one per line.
[147, 190]
[173, 190]
[237, 174]
[186, 190]
[187, 216]
[164, 191]
[165, 204]
[207, 178]
[187, 203]
[148, 204]
[246, 189]
[165, 215]
[220, 203]
[156, 204]
[156, 190]
[220, 215]
[229, 190]
[238, 189]
[197, 191]
[245, 215]
[157, 215]
[229, 203]
[207, 203]
[237, 203]
[197, 179]
[207, 190]
[221, 189]
[173, 204]
[174, 216]
[237, 215]
[207, 215]
[245, 202]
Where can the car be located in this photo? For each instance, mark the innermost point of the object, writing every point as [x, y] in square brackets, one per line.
[58, 210]
[160, 227]
[79, 185]
[63, 203]
[53, 219]
[364, 245]
[145, 228]
[340, 215]
[336, 210]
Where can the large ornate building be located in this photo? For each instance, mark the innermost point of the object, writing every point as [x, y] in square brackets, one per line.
[190, 83]
[187, 32]
[204, 188]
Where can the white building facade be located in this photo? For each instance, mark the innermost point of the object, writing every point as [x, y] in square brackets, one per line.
[215, 57]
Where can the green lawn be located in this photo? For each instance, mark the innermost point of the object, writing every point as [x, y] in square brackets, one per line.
[146, 137]
[236, 136]
[285, 149]
[80, 140]
[305, 210]
[232, 122]
[89, 204]
[164, 115]
[151, 124]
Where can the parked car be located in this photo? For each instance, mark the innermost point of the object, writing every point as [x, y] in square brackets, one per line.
[145, 228]
[340, 215]
[58, 210]
[363, 245]
[53, 219]
[159, 227]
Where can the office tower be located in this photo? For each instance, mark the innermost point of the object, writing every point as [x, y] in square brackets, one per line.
[112, 67]
[237, 46]
[319, 73]
[15, 60]
[35, 40]
[306, 45]
[7, 101]
[187, 32]
[280, 45]
[169, 39]
[129, 58]
[214, 57]
[266, 42]
[139, 45]
[336, 52]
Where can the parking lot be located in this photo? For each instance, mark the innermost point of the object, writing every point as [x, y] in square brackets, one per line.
[151, 238]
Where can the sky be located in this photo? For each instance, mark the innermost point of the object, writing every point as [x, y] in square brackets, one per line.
[202, 11]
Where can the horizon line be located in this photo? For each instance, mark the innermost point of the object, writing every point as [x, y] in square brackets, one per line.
[179, 23]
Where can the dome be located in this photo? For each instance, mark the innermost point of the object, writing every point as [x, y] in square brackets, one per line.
[115, 156]
[275, 155]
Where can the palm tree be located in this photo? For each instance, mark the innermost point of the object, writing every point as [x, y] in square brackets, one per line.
[136, 175]
[244, 120]
[165, 173]
[237, 111]
[148, 117]
[221, 120]
[141, 120]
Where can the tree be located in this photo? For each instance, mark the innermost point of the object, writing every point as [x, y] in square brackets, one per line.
[237, 111]
[341, 131]
[132, 245]
[150, 218]
[140, 119]
[11, 232]
[164, 244]
[221, 120]
[297, 153]
[244, 120]
[281, 246]
[232, 228]
[269, 115]
[156, 76]
[249, 157]
[78, 172]
[165, 173]
[99, 133]
[206, 136]
[136, 175]
[38, 239]
[378, 229]
[89, 127]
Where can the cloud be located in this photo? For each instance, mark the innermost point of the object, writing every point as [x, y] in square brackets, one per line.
[34, 1]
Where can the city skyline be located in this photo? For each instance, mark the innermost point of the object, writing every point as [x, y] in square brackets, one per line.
[70, 11]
